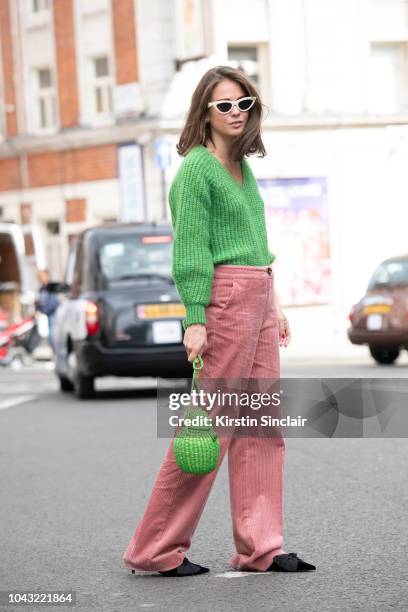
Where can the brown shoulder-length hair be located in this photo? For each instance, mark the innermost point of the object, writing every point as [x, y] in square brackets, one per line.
[197, 130]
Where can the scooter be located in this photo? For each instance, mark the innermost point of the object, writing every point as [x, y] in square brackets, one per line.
[17, 340]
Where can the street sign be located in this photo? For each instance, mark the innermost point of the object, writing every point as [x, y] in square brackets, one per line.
[163, 149]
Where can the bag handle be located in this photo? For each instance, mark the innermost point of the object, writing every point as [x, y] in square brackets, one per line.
[197, 365]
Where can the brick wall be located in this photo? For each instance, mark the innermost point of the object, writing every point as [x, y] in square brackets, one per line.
[66, 62]
[75, 210]
[25, 213]
[9, 174]
[124, 37]
[8, 68]
[90, 164]
[57, 168]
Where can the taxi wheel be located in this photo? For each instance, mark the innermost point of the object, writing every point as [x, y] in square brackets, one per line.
[65, 384]
[385, 355]
[84, 386]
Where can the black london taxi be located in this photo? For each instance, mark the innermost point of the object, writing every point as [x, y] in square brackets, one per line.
[121, 314]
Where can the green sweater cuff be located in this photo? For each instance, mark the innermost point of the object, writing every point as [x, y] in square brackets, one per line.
[195, 313]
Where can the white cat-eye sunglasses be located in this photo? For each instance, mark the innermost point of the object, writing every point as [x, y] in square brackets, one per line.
[226, 106]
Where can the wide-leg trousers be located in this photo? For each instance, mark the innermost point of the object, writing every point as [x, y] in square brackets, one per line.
[242, 343]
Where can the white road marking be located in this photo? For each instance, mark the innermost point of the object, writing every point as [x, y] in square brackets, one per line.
[26, 389]
[239, 574]
[15, 401]
[231, 574]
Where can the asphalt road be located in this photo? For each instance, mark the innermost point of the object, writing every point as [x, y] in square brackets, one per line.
[76, 476]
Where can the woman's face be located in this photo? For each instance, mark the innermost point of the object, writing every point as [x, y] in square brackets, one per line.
[223, 125]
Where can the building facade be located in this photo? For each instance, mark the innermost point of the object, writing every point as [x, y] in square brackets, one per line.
[94, 95]
[76, 90]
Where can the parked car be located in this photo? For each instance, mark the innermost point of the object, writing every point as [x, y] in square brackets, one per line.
[18, 330]
[17, 274]
[380, 318]
[122, 313]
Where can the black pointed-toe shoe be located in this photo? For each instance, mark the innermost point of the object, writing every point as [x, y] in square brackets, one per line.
[187, 568]
[289, 562]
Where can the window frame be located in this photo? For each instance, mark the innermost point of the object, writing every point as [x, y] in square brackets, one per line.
[45, 98]
[104, 84]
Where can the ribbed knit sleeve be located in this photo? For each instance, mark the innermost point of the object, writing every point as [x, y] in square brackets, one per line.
[192, 264]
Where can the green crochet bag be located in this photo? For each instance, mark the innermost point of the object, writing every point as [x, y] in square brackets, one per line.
[196, 447]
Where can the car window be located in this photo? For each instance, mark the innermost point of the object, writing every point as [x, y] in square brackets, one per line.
[128, 256]
[390, 273]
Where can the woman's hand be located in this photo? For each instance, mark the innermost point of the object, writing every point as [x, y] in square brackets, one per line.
[195, 340]
[284, 329]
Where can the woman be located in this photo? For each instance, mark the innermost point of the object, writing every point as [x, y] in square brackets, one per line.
[222, 270]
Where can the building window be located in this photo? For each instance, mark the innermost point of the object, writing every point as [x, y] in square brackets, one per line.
[388, 80]
[37, 6]
[46, 103]
[387, 28]
[246, 59]
[102, 85]
[53, 227]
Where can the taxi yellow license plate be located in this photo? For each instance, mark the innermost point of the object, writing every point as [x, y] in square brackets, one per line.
[377, 309]
[160, 311]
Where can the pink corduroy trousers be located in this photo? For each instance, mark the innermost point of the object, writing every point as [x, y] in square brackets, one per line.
[242, 342]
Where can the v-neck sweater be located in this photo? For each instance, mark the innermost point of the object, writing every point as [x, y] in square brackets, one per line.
[215, 220]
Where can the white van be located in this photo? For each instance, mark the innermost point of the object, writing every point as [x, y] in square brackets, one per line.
[18, 275]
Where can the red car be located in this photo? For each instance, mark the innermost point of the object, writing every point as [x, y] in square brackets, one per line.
[380, 318]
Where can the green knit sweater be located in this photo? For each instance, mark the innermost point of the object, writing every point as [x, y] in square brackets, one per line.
[215, 220]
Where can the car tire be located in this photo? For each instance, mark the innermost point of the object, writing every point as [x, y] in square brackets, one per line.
[385, 355]
[84, 386]
[65, 384]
